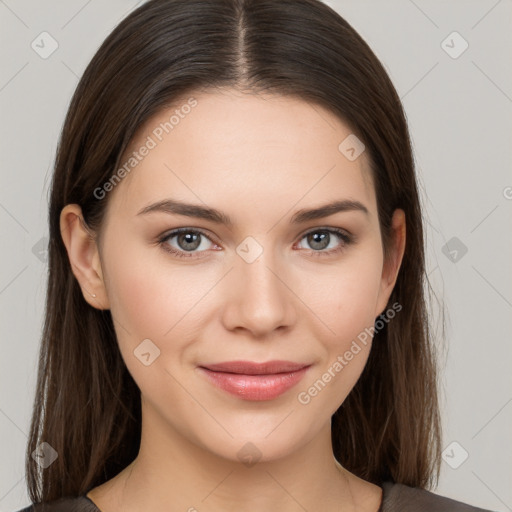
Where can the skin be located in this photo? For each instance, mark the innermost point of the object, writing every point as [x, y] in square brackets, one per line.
[259, 159]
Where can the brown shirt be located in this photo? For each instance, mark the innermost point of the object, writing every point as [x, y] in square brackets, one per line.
[395, 498]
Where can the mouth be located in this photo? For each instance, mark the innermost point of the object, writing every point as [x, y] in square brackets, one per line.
[255, 381]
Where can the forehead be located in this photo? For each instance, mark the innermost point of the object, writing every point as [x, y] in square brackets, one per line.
[245, 149]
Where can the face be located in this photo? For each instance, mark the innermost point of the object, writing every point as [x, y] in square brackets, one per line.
[260, 271]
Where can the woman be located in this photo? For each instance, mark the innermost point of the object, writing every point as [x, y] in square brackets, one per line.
[235, 311]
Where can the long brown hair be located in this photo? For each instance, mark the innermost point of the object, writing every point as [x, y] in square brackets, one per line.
[87, 405]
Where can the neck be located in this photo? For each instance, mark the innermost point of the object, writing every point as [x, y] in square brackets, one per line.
[172, 473]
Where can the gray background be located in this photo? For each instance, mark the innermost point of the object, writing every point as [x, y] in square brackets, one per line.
[459, 114]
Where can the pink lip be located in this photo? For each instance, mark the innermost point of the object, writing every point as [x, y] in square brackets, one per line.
[255, 381]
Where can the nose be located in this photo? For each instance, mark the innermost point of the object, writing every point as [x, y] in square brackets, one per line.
[259, 299]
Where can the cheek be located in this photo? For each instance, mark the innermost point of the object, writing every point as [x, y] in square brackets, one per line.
[146, 295]
[153, 299]
[344, 297]
[346, 306]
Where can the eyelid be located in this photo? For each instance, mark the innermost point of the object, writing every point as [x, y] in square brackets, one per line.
[176, 231]
[331, 229]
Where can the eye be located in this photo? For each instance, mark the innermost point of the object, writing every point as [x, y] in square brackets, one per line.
[325, 238]
[188, 242]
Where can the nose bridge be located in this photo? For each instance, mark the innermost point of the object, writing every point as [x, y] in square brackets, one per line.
[260, 301]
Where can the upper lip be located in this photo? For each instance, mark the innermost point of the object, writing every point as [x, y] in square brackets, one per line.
[252, 368]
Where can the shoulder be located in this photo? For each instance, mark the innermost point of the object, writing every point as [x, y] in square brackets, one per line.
[409, 499]
[79, 504]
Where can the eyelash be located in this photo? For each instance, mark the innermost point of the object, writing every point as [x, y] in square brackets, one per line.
[346, 240]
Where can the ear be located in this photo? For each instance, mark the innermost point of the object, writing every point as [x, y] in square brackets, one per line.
[392, 265]
[83, 256]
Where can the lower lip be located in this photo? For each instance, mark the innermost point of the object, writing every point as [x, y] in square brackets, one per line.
[255, 387]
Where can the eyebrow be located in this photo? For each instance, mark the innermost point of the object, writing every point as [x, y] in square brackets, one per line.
[173, 206]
